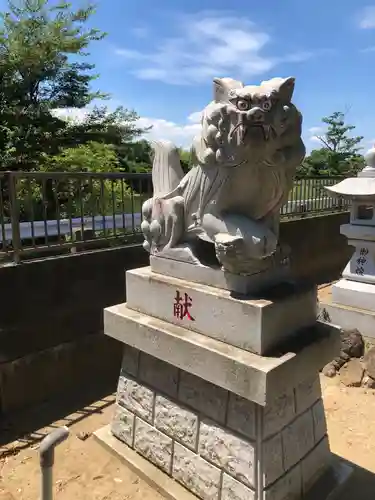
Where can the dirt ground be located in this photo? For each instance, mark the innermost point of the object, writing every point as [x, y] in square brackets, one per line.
[325, 292]
[84, 470]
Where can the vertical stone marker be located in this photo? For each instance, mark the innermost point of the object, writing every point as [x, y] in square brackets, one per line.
[353, 297]
[219, 395]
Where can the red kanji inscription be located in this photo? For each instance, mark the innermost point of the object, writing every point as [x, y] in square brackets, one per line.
[182, 305]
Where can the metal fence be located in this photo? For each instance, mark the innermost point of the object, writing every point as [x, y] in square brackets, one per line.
[52, 213]
[308, 198]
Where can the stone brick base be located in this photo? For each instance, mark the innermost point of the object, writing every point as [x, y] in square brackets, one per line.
[215, 443]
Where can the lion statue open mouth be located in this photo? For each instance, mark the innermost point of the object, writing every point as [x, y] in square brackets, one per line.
[245, 159]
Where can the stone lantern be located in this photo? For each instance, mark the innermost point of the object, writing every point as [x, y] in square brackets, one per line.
[353, 297]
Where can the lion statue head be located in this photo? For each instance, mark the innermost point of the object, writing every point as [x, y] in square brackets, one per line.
[251, 123]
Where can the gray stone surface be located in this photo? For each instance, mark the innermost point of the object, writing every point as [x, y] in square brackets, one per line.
[351, 374]
[195, 473]
[232, 197]
[158, 374]
[347, 292]
[350, 318]
[153, 445]
[216, 277]
[234, 490]
[328, 486]
[278, 413]
[315, 463]
[227, 451]
[369, 362]
[256, 378]
[298, 439]
[135, 397]
[256, 325]
[176, 421]
[352, 344]
[319, 419]
[307, 393]
[289, 487]
[241, 415]
[130, 360]
[272, 458]
[123, 425]
[203, 396]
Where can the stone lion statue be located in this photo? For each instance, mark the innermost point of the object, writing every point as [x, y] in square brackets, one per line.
[244, 164]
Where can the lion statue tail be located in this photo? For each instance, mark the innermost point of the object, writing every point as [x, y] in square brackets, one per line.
[167, 172]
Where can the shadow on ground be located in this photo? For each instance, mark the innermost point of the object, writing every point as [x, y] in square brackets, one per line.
[29, 427]
[361, 485]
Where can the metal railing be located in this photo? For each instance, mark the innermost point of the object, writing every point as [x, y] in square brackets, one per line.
[57, 212]
[308, 198]
[62, 212]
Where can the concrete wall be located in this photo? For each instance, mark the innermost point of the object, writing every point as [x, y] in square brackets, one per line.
[319, 251]
[51, 336]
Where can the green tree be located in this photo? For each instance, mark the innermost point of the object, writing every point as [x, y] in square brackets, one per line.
[95, 157]
[135, 156]
[340, 152]
[118, 128]
[71, 196]
[186, 159]
[42, 68]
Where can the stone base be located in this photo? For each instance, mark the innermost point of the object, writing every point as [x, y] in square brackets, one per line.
[349, 318]
[216, 443]
[193, 400]
[354, 294]
[328, 486]
[256, 324]
[249, 375]
[216, 277]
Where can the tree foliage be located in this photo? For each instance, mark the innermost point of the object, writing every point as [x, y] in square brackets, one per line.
[340, 151]
[43, 46]
[185, 159]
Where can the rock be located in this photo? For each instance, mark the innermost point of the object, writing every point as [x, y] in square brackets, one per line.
[351, 374]
[368, 382]
[337, 363]
[369, 362]
[329, 370]
[83, 435]
[352, 344]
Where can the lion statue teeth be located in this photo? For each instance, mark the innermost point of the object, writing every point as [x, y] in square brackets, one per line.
[244, 165]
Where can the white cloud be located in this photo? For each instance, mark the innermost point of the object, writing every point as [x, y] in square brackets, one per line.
[368, 49]
[140, 32]
[72, 114]
[180, 134]
[209, 44]
[316, 130]
[313, 132]
[195, 117]
[367, 18]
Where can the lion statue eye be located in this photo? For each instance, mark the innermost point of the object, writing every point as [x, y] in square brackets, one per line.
[243, 105]
[266, 105]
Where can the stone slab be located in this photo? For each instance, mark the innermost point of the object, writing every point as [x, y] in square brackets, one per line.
[157, 479]
[350, 318]
[328, 486]
[257, 324]
[354, 294]
[331, 483]
[257, 378]
[216, 277]
[368, 271]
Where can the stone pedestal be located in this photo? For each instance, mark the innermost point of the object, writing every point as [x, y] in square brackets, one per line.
[220, 399]
[353, 297]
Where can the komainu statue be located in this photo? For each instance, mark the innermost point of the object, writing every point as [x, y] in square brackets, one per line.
[244, 164]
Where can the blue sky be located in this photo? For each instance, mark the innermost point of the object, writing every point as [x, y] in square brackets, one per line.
[160, 57]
